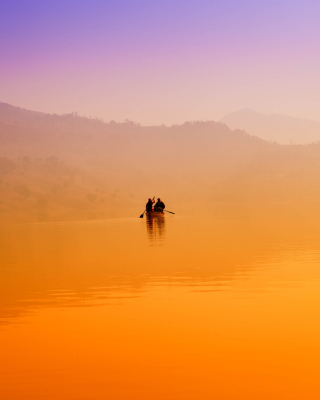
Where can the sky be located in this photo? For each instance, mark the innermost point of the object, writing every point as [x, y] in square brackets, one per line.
[161, 62]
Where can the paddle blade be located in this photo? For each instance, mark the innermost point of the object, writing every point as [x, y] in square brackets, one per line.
[141, 216]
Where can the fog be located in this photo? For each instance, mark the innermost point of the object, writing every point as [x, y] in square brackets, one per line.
[56, 168]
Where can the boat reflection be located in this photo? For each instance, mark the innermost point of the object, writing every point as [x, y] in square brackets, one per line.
[156, 227]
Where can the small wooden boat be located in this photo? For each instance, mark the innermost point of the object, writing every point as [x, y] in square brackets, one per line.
[157, 212]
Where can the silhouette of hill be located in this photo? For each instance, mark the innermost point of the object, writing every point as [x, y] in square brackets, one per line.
[274, 127]
[56, 167]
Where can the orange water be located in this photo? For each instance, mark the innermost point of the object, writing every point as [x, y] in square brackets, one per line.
[169, 308]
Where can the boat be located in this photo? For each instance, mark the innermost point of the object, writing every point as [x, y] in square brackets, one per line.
[157, 212]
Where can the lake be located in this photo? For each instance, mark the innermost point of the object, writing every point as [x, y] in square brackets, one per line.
[175, 307]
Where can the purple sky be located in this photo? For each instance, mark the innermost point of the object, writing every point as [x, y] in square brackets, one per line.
[161, 62]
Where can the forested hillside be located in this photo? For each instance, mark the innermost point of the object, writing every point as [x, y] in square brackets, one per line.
[69, 167]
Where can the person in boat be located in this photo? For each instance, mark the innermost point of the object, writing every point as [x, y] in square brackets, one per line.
[159, 205]
[149, 205]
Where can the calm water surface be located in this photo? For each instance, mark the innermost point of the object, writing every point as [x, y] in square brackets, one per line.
[167, 308]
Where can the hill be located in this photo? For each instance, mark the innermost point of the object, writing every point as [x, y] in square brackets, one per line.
[274, 127]
[69, 167]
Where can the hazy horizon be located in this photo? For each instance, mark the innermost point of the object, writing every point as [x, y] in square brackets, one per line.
[69, 167]
[135, 120]
[212, 106]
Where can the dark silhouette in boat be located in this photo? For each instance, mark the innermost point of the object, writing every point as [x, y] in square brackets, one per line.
[149, 205]
[158, 209]
[159, 206]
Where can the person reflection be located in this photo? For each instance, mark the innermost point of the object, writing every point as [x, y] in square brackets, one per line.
[156, 227]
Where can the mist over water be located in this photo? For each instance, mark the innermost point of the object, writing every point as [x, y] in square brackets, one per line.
[59, 168]
[211, 106]
[96, 302]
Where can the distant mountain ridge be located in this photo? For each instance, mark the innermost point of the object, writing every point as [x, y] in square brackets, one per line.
[73, 138]
[277, 128]
[55, 167]
[59, 167]
[10, 114]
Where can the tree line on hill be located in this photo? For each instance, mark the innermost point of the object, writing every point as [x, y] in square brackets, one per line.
[69, 167]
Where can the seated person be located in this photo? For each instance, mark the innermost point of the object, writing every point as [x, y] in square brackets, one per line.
[149, 205]
[159, 206]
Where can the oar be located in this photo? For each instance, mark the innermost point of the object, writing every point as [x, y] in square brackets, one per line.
[169, 211]
[141, 216]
